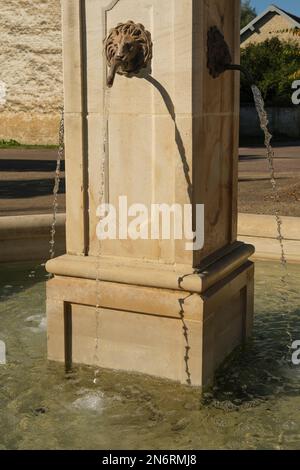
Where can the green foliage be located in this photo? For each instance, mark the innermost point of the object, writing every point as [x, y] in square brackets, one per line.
[274, 65]
[248, 13]
[12, 144]
[8, 143]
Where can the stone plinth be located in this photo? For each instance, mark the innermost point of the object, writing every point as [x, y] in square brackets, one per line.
[173, 139]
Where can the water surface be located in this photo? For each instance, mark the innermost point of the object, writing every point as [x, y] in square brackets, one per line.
[255, 403]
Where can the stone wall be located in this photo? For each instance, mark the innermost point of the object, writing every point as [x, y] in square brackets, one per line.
[283, 122]
[273, 25]
[31, 70]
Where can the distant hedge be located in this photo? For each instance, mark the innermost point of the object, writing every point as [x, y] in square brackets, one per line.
[274, 65]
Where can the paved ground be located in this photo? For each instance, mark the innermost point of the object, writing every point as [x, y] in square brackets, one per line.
[255, 190]
[27, 179]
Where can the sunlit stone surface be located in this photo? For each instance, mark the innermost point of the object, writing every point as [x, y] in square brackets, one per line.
[172, 138]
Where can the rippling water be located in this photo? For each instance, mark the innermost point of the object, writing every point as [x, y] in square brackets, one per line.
[255, 403]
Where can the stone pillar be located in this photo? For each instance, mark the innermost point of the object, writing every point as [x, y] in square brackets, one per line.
[173, 139]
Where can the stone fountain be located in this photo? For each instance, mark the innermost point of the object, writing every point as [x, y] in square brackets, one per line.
[171, 137]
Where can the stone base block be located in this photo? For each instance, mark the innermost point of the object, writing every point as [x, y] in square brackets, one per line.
[174, 334]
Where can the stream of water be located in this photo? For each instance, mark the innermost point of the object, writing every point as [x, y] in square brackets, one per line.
[264, 124]
[101, 200]
[60, 156]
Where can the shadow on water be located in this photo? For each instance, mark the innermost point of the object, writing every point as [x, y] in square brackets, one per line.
[18, 277]
[258, 372]
[14, 189]
[263, 369]
[178, 139]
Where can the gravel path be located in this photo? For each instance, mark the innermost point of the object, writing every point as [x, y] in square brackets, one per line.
[255, 192]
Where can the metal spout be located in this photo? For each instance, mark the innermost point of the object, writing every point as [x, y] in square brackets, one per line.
[241, 69]
[219, 58]
[112, 72]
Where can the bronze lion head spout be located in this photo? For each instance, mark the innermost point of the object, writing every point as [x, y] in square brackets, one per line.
[128, 49]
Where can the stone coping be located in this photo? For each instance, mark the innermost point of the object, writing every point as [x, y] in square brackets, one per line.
[26, 237]
[265, 226]
[261, 231]
[250, 225]
[256, 229]
[29, 226]
[149, 274]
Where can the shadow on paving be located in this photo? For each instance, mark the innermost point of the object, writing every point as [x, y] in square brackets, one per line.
[248, 179]
[29, 165]
[14, 189]
[248, 157]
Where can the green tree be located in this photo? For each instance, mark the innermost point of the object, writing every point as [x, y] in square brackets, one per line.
[248, 13]
[274, 65]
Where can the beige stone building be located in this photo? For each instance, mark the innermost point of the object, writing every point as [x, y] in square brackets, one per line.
[273, 22]
[31, 70]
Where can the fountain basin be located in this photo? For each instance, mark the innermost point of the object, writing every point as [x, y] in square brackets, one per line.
[26, 237]
[254, 404]
[261, 231]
